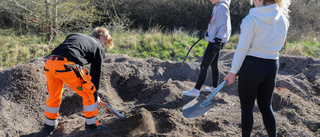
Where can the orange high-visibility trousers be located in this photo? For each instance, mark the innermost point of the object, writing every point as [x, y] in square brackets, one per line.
[57, 74]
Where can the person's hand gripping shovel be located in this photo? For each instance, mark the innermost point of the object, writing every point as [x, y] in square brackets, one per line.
[200, 105]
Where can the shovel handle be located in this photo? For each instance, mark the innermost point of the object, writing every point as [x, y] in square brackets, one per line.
[223, 84]
[213, 93]
[105, 105]
[109, 108]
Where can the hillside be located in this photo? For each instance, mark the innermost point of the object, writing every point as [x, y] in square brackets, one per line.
[140, 90]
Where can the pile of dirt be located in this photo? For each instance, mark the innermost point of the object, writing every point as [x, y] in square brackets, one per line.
[141, 90]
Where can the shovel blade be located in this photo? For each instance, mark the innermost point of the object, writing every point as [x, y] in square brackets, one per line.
[193, 109]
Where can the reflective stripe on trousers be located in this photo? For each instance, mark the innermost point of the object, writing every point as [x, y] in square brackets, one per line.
[51, 122]
[57, 74]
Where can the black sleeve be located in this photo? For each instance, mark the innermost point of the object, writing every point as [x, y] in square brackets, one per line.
[96, 67]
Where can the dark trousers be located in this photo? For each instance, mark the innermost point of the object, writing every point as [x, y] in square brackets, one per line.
[209, 59]
[257, 79]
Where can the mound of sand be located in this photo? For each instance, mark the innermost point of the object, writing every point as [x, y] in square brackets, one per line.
[140, 90]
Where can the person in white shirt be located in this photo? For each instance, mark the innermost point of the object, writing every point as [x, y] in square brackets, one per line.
[263, 33]
[218, 33]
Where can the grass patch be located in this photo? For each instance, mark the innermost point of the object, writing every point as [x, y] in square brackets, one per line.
[16, 48]
[154, 43]
[303, 48]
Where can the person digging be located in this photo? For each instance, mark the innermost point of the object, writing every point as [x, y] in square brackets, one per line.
[64, 66]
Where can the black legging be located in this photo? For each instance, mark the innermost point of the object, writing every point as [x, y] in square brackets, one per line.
[257, 79]
[209, 59]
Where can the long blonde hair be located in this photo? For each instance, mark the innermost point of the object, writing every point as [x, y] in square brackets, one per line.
[101, 31]
[283, 4]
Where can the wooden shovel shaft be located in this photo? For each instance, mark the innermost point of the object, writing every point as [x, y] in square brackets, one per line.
[109, 108]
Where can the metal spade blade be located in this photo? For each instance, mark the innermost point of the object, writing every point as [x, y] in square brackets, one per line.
[201, 104]
[192, 109]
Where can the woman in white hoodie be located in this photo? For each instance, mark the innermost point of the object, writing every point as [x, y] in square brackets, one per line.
[263, 33]
[219, 31]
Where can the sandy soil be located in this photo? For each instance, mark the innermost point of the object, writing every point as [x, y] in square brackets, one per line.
[141, 90]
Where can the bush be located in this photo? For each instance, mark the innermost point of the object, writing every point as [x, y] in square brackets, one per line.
[304, 20]
[168, 15]
[194, 15]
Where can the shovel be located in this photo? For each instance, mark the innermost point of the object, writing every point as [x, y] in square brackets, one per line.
[200, 105]
[105, 105]
[110, 109]
[208, 101]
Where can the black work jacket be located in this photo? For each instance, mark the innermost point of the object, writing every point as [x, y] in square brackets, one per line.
[83, 49]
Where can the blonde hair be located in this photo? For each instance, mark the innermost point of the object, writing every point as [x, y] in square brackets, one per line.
[101, 31]
[283, 4]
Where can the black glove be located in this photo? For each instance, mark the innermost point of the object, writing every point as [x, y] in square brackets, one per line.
[206, 34]
[217, 46]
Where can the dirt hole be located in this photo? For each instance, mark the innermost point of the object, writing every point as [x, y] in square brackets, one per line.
[133, 88]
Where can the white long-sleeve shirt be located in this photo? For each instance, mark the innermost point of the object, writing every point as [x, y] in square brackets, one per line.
[263, 33]
[220, 22]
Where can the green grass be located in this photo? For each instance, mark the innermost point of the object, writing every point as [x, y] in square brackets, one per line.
[303, 48]
[16, 49]
[166, 46]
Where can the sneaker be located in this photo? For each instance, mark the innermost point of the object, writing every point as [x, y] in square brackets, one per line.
[210, 89]
[192, 93]
[93, 128]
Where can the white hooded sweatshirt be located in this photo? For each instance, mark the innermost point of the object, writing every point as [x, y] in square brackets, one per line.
[220, 22]
[263, 33]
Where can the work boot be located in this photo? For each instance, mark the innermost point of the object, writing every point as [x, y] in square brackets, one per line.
[210, 89]
[93, 128]
[48, 130]
[192, 93]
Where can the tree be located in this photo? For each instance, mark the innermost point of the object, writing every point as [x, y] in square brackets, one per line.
[59, 15]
